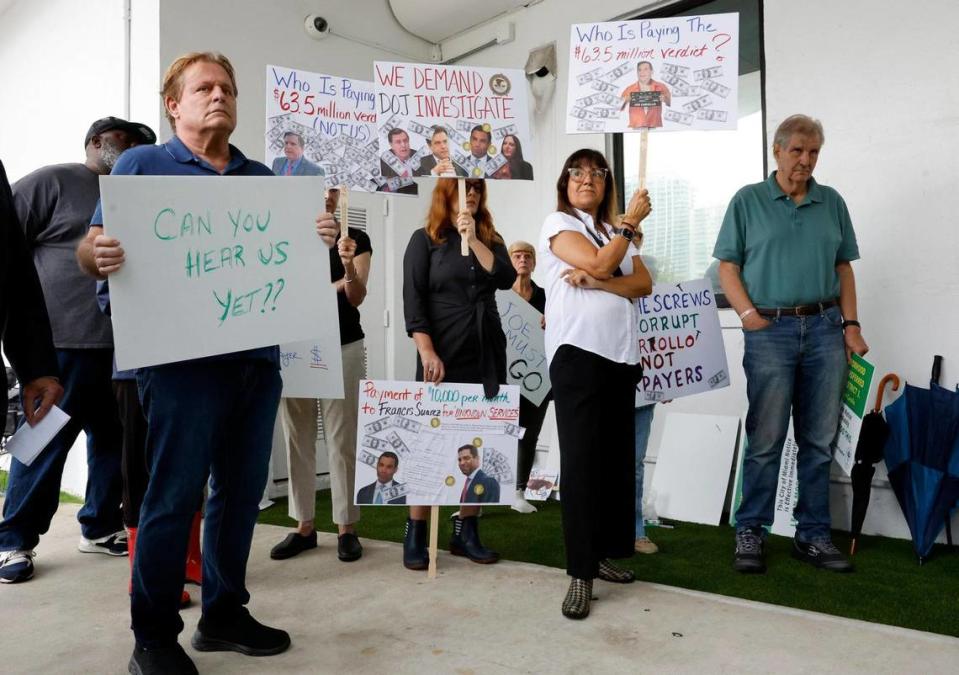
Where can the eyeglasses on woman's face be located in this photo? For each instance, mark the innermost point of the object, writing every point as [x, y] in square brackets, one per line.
[474, 186]
[580, 174]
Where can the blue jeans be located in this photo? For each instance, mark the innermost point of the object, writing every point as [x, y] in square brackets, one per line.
[33, 492]
[204, 419]
[796, 364]
[644, 420]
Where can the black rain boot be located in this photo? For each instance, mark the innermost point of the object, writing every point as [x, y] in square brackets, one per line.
[466, 541]
[415, 554]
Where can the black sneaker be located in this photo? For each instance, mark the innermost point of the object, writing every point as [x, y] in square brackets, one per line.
[821, 553]
[748, 558]
[240, 633]
[16, 566]
[170, 660]
[294, 544]
[113, 544]
[348, 547]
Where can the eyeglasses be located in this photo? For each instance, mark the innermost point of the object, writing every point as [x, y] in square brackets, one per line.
[579, 175]
[474, 185]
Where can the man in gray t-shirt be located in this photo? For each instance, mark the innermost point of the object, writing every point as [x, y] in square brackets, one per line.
[54, 205]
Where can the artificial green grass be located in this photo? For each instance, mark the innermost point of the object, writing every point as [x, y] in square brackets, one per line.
[65, 497]
[888, 587]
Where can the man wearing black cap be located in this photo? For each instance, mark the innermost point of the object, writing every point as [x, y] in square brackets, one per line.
[54, 205]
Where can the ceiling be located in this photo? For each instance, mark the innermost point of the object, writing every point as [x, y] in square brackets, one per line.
[437, 20]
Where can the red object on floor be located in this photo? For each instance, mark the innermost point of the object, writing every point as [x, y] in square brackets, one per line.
[185, 598]
[131, 545]
[194, 558]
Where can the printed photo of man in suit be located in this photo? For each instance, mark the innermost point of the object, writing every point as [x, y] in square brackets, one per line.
[293, 163]
[438, 162]
[478, 487]
[386, 467]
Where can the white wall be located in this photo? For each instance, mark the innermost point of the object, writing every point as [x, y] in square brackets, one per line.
[61, 67]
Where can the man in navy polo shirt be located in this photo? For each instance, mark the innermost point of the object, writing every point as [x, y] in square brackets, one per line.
[210, 417]
[785, 249]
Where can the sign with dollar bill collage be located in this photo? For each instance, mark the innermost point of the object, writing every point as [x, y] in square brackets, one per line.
[334, 118]
[413, 98]
[439, 444]
[671, 74]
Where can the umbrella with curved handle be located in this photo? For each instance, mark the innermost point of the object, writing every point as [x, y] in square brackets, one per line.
[872, 438]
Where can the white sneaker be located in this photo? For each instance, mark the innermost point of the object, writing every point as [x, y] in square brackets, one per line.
[16, 566]
[112, 544]
[521, 505]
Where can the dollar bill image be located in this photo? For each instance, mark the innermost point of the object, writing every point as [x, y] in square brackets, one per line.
[495, 164]
[368, 458]
[374, 443]
[678, 117]
[600, 85]
[588, 76]
[590, 125]
[503, 132]
[711, 115]
[618, 72]
[707, 73]
[715, 88]
[697, 103]
[674, 69]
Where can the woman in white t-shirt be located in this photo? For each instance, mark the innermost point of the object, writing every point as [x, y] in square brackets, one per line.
[593, 274]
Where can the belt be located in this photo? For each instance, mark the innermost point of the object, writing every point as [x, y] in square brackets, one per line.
[801, 310]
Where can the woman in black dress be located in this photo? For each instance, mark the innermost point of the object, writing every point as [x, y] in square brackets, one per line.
[450, 310]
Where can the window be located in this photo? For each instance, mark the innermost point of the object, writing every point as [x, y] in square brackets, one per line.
[692, 175]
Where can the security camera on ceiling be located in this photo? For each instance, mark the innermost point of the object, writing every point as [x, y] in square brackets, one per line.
[316, 26]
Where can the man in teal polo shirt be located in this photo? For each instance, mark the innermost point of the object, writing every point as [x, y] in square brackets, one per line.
[785, 248]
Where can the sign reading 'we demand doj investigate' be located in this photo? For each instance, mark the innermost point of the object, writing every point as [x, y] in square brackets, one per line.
[215, 266]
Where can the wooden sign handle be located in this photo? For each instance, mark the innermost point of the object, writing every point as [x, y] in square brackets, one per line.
[434, 535]
[461, 191]
[643, 145]
[344, 212]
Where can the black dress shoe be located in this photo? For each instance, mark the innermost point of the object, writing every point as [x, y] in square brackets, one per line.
[465, 541]
[348, 547]
[294, 544]
[239, 633]
[416, 555]
[170, 660]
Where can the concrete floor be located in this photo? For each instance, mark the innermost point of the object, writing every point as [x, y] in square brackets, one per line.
[373, 616]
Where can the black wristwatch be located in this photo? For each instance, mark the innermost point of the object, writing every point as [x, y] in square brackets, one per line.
[850, 322]
[625, 232]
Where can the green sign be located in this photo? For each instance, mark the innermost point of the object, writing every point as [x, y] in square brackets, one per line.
[857, 385]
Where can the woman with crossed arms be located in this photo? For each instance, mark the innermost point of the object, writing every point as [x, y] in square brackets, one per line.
[593, 274]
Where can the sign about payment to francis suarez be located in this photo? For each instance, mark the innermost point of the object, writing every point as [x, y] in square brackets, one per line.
[215, 266]
[680, 342]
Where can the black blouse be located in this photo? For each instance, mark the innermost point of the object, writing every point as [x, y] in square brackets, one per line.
[450, 297]
[350, 329]
[538, 298]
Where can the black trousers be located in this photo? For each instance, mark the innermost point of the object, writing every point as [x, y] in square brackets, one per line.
[531, 418]
[594, 400]
[134, 462]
